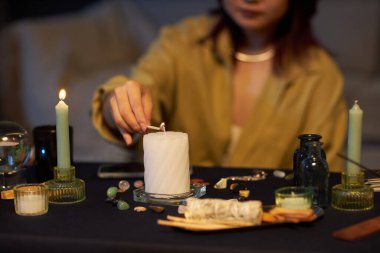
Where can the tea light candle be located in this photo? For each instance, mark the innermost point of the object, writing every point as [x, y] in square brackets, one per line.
[293, 197]
[354, 138]
[298, 203]
[62, 125]
[31, 199]
[166, 161]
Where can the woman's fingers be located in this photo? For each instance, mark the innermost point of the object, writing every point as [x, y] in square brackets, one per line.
[125, 110]
[122, 126]
[131, 107]
[135, 93]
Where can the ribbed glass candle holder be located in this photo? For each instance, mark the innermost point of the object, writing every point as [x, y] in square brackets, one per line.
[352, 194]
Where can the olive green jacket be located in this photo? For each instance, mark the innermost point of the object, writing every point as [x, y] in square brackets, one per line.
[191, 87]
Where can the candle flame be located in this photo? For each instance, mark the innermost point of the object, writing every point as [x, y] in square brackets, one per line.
[62, 94]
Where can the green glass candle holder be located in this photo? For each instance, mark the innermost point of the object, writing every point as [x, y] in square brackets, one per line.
[65, 188]
[352, 194]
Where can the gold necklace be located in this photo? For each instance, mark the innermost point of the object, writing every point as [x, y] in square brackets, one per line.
[254, 57]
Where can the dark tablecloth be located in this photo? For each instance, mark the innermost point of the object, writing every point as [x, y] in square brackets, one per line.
[97, 226]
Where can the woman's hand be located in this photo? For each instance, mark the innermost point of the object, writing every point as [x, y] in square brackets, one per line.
[130, 106]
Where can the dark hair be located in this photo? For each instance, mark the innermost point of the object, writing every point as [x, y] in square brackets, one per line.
[292, 38]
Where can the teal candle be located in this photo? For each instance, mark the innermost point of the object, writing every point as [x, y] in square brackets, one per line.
[354, 138]
[62, 129]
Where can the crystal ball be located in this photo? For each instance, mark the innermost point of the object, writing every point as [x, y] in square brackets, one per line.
[15, 146]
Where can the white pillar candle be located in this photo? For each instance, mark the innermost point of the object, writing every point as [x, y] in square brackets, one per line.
[354, 138]
[166, 161]
[62, 129]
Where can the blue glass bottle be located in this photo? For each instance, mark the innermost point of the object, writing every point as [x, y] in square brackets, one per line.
[300, 154]
[314, 173]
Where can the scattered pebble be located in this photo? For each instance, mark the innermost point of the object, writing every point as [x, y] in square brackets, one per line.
[244, 193]
[221, 184]
[199, 181]
[279, 173]
[138, 183]
[112, 191]
[123, 186]
[139, 209]
[196, 180]
[157, 209]
[289, 176]
[122, 205]
[233, 186]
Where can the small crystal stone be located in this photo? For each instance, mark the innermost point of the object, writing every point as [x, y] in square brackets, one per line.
[138, 183]
[233, 186]
[196, 180]
[123, 185]
[221, 184]
[279, 173]
[157, 209]
[289, 176]
[112, 191]
[139, 209]
[244, 193]
[122, 205]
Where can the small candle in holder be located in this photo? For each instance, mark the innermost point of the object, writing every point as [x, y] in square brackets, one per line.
[299, 198]
[31, 199]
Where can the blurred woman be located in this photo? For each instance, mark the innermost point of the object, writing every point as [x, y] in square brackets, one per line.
[243, 82]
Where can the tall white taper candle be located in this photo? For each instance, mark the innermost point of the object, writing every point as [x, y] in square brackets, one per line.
[62, 130]
[354, 138]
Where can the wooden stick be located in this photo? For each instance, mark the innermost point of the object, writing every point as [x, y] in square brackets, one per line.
[195, 226]
[211, 221]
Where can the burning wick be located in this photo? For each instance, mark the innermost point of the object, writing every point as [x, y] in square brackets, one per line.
[161, 128]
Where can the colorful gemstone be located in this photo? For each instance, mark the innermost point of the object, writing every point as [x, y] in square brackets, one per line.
[123, 186]
[112, 191]
[139, 209]
[289, 176]
[279, 173]
[196, 180]
[157, 209]
[244, 193]
[138, 184]
[122, 205]
[221, 184]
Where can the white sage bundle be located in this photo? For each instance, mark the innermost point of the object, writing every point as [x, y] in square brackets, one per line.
[219, 210]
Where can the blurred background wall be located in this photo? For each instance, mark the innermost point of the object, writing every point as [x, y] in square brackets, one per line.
[46, 45]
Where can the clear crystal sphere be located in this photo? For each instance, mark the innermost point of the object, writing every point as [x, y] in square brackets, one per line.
[15, 146]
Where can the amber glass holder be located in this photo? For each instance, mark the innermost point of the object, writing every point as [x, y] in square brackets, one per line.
[352, 194]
